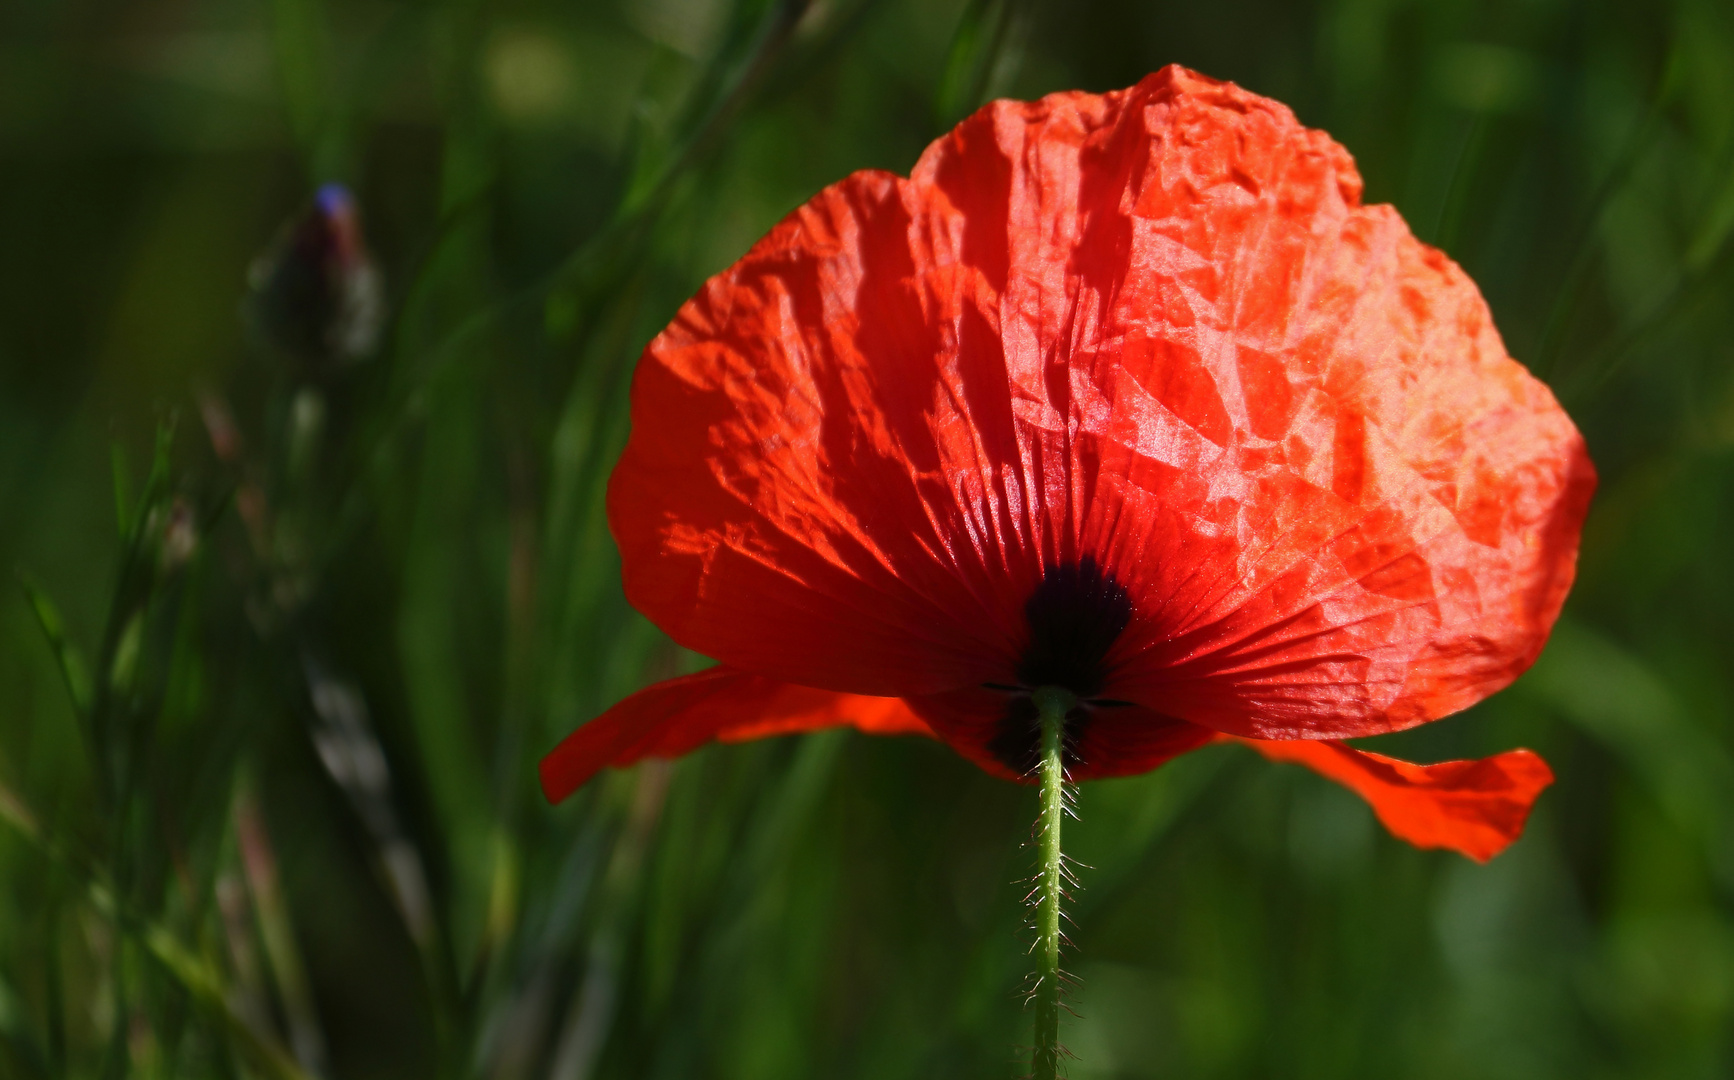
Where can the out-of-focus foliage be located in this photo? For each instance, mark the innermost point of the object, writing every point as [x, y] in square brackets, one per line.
[266, 745]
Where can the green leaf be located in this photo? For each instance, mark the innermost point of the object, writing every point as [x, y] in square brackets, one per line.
[73, 668]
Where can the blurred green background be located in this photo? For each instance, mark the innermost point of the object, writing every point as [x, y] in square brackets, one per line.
[279, 818]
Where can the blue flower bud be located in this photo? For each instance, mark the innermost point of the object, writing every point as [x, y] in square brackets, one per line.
[315, 293]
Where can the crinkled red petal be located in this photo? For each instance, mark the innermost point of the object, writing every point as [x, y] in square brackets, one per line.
[1474, 807]
[678, 716]
[1155, 328]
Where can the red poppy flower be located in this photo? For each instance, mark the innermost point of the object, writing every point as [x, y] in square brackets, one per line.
[1126, 394]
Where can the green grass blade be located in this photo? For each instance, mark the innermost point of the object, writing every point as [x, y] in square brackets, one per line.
[74, 670]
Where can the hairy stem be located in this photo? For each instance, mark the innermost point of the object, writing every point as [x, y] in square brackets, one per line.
[1053, 704]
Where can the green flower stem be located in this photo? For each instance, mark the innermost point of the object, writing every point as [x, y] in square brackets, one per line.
[1052, 704]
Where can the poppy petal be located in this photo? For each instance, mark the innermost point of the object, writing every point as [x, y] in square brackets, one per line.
[784, 501]
[1152, 330]
[679, 715]
[1473, 807]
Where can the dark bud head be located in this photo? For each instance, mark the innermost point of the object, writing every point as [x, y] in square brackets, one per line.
[315, 293]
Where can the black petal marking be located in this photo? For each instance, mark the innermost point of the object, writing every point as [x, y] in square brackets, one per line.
[1075, 616]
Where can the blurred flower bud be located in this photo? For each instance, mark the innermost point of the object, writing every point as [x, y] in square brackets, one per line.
[315, 293]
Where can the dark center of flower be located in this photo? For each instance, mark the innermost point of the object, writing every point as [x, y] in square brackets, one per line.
[1075, 615]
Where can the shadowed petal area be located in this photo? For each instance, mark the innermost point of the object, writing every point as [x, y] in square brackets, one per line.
[1473, 807]
[679, 715]
[1130, 740]
[1001, 732]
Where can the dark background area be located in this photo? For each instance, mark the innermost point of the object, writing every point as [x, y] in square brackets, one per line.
[280, 817]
